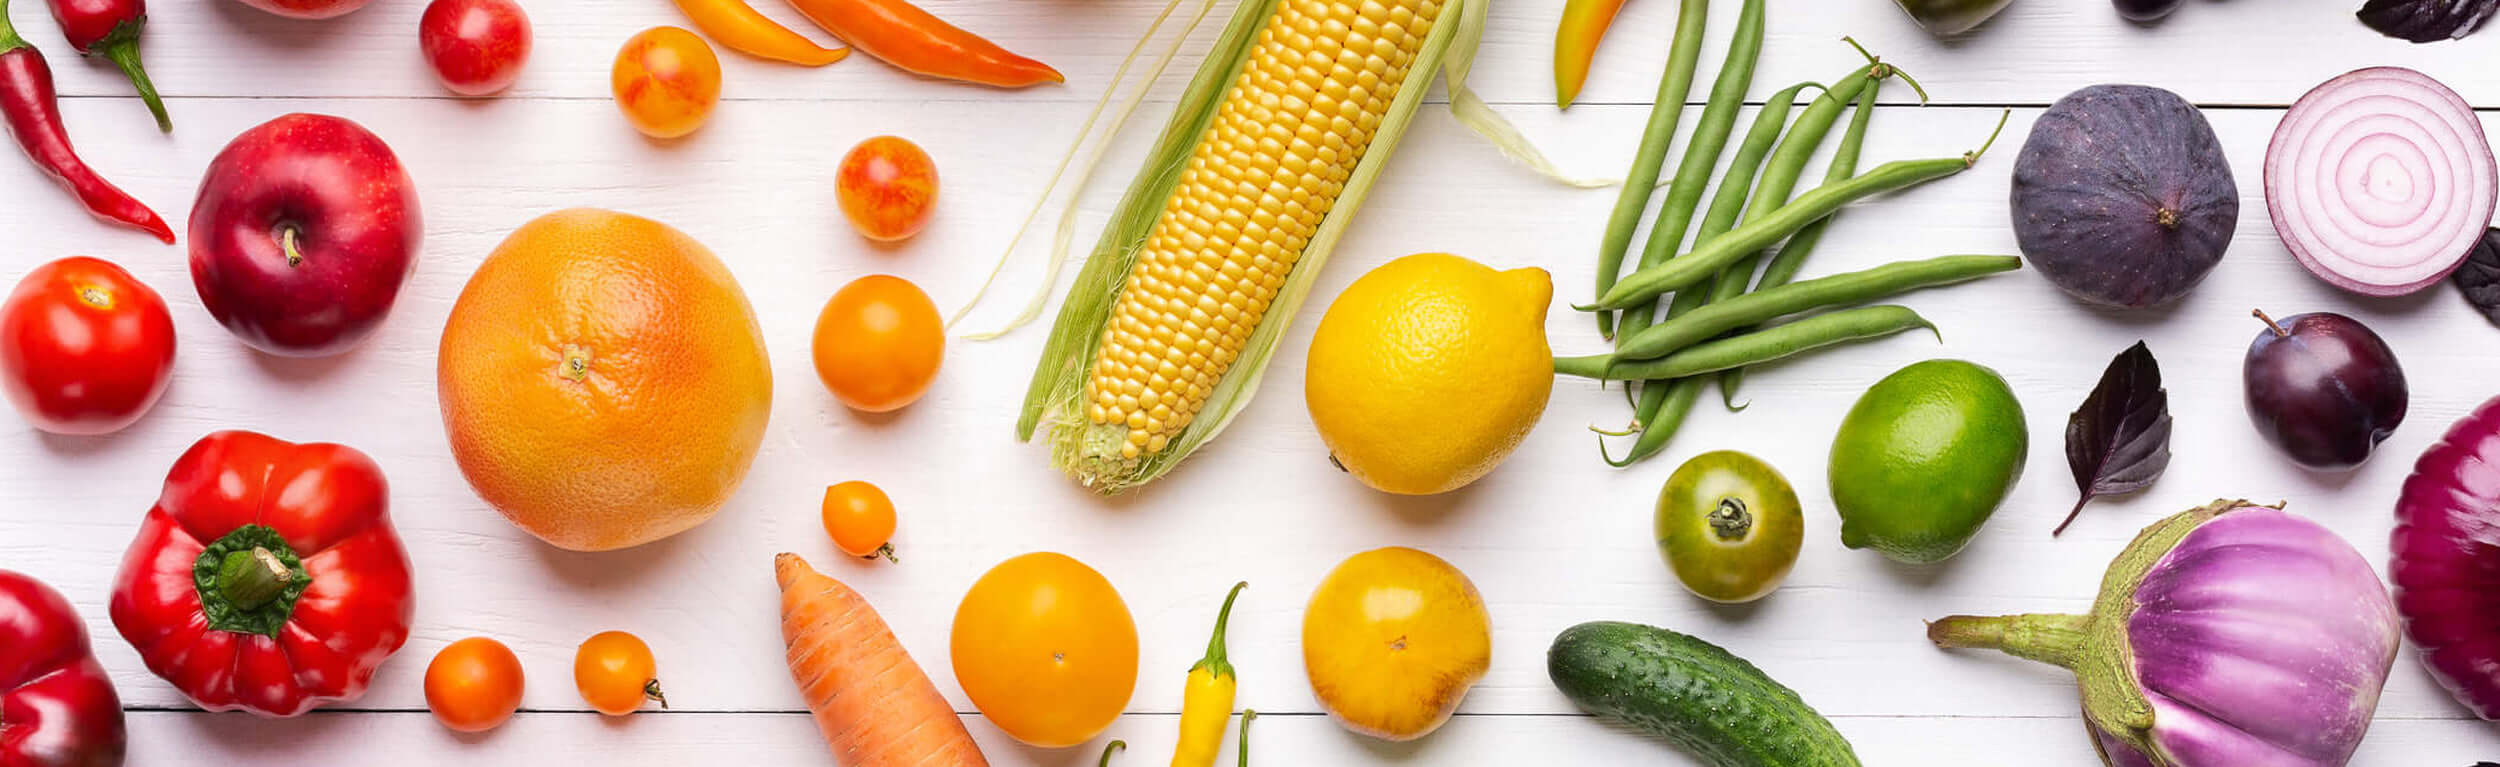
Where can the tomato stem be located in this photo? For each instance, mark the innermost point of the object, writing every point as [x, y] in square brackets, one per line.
[651, 689]
[1731, 521]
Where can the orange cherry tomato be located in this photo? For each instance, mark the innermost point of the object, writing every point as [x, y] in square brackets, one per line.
[861, 520]
[887, 187]
[615, 673]
[473, 685]
[1046, 649]
[666, 80]
[878, 343]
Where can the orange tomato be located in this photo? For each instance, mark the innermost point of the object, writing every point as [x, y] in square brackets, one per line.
[860, 519]
[887, 187]
[878, 343]
[615, 673]
[1046, 649]
[473, 685]
[666, 80]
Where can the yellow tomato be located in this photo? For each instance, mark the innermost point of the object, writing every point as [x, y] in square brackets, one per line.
[666, 80]
[1046, 649]
[1392, 640]
[615, 673]
[473, 685]
[860, 519]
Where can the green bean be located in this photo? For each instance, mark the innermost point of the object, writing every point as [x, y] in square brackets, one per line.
[1692, 173]
[1771, 343]
[1683, 56]
[1779, 177]
[1727, 204]
[1836, 290]
[1674, 399]
[1707, 259]
[1792, 255]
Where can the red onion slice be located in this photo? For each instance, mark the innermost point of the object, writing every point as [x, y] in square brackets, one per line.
[2380, 181]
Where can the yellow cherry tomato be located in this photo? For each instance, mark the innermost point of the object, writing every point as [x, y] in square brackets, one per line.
[473, 685]
[1046, 649]
[615, 673]
[666, 80]
[860, 519]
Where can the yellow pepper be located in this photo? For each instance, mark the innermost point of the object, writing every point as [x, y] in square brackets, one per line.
[735, 24]
[1207, 703]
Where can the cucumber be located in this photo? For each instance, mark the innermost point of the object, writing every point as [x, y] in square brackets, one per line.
[1696, 696]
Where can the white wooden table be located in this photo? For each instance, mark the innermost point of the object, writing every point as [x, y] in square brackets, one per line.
[1553, 538]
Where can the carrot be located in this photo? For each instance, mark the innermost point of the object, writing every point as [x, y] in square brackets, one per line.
[876, 707]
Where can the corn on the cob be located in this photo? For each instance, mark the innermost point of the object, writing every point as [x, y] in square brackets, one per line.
[1183, 299]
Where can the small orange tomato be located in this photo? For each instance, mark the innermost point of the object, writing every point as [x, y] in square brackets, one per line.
[878, 343]
[1046, 649]
[887, 187]
[615, 673]
[666, 80]
[473, 685]
[861, 520]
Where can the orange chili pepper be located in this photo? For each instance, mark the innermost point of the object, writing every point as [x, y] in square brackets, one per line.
[735, 24]
[907, 37]
[1584, 23]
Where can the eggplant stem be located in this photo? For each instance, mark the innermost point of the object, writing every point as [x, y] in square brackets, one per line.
[2050, 638]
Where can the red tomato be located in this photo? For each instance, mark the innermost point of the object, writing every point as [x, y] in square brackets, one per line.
[84, 347]
[666, 80]
[476, 47]
[887, 188]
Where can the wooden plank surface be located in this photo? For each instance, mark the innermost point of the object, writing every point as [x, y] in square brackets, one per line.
[1552, 539]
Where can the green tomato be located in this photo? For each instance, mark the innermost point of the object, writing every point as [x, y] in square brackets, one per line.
[1728, 524]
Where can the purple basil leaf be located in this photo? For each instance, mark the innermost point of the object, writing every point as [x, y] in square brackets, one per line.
[2479, 278]
[2119, 441]
[2427, 21]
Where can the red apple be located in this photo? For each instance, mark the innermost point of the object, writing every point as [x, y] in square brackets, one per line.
[476, 47]
[308, 9]
[303, 231]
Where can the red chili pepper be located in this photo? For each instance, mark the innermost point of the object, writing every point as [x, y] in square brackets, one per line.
[268, 577]
[57, 708]
[33, 112]
[110, 28]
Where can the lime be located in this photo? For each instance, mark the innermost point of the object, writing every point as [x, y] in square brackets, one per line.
[1923, 459]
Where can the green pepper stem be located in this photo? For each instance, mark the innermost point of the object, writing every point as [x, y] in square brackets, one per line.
[2049, 638]
[250, 579]
[124, 53]
[1215, 663]
[9, 41]
[1108, 749]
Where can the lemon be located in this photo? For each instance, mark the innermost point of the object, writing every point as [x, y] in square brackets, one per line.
[1429, 370]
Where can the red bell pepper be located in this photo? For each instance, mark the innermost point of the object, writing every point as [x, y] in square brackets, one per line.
[268, 577]
[57, 708]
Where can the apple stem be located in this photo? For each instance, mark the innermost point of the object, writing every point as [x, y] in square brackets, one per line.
[2279, 332]
[286, 242]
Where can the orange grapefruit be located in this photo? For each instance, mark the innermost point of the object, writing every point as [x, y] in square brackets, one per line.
[603, 380]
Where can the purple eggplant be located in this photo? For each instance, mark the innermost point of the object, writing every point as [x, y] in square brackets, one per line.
[2225, 636]
[2447, 561]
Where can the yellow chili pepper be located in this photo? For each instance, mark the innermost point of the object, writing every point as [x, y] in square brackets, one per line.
[735, 24]
[1207, 703]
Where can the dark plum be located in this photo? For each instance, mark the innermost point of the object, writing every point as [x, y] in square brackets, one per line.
[2122, 196]
[2323, 388]
[2146, 10]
